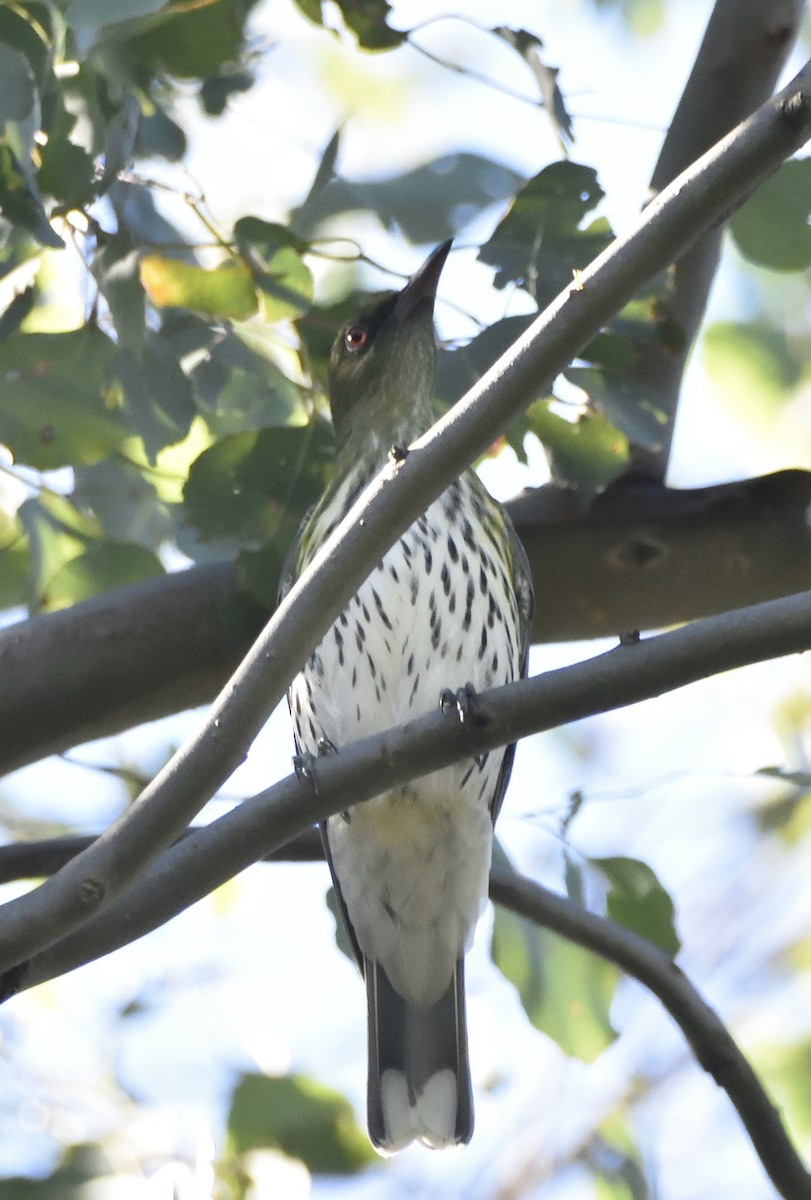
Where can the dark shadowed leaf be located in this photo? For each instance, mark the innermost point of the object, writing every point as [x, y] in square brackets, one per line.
[157, 393]
[12, 317]
[541, 242]
[426, 204]
[123, 500]
[17, 85]
[20, 204]
[116, 271]
[773, 228]
[637, 900]
[29, 30]
[192, 43]
[55, 409]
[301, 1118]
[160, 137]
[368, 21]
[458, 370]
[254, 487]
[238, 389]
[94, 14]
[623, 401]
[66, 172]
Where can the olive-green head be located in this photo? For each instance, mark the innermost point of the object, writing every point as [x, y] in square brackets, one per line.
[382, 365]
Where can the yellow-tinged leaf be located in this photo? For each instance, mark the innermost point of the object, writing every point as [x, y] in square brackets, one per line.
[225, 291]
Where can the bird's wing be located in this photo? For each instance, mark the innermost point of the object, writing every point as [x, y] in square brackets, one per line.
[525, 596]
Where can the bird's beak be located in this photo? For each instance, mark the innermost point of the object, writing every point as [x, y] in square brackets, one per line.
[423, 284]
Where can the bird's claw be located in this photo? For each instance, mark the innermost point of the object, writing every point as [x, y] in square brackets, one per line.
[464, 702]
[304, 764]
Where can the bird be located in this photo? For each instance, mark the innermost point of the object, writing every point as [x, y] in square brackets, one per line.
[445, 613]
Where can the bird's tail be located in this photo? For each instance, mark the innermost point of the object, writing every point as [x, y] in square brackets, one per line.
[419, 1075]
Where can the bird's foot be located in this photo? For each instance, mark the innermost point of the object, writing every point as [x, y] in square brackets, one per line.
[464, 702]
[304, 764]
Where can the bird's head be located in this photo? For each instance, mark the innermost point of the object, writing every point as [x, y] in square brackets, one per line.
[382, 364]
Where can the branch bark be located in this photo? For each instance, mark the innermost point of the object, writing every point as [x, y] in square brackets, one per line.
[643, 557]
[212, 854]
[698, 199]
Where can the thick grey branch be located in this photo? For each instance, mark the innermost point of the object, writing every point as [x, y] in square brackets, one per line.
[642, 557]
[710, 1040]
[208, 856]
[401, 492]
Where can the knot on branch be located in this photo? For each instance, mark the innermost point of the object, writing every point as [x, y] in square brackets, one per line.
[796, 110]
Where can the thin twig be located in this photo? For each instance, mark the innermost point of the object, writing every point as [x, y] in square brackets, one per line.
[709, 1038]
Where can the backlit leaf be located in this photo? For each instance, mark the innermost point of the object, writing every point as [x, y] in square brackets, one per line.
[637, 900]
[54, 410]
[565, 990]
[226, 291]
[301, 1118]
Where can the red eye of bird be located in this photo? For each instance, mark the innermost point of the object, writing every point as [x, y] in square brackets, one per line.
[356, 337]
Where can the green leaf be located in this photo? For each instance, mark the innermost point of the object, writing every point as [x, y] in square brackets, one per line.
[368, 21]
[773, 228]
[239, 389]
[788, 1068]
[102, 567]
[95, 14]
[301, 1118]
[54, 411]
[30, 31]
[123, 500]
[458, 370]
[13, 316]
[157, 392]
[80, 1166]
[566, 991]
[192, 44]
[56, 534]
[623, 400]
[15, 563]
[117, 273]
[637, 900]
[426, 204]
[751, 364]
[160, 137]
[254, 487]
[17, 85]
[66, 172]
[587, 454]
[226, 291]
[540, 242]
[20, 203]
[272, 254]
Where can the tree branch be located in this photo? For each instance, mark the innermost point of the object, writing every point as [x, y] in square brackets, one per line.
[642, 557]
[212, 854]
[645, 556]
[744, 49]
[400, 493]
[708, 1037]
